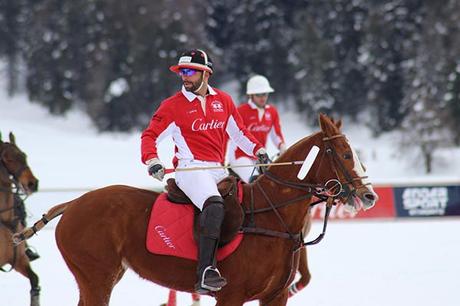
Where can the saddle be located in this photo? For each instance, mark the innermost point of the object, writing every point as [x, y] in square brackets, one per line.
[234, 214]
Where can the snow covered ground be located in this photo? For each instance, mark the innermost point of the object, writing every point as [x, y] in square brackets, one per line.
[359, 263]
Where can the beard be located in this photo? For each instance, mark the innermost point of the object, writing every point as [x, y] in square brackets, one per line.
[192, 86]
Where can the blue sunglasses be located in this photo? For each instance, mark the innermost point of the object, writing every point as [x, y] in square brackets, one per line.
[187, 71]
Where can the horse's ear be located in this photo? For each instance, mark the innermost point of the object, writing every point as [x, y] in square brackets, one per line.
[12, 138]
[324, 122]
[338, 124]
[328, 126]
[321, 118]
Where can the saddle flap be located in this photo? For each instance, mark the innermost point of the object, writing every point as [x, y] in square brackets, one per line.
[170, 231]
[234, 214]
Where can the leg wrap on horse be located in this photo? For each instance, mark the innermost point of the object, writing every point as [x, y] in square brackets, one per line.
[211, 219]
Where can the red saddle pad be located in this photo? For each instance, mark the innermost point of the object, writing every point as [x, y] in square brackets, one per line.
[170, 231]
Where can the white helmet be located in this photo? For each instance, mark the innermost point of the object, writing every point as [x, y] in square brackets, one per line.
[258, 84]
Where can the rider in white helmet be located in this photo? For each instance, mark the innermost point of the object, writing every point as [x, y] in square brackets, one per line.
[262, 120]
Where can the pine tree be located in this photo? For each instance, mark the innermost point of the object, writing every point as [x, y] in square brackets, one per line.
[328, 74]
[392, 35]
[253, 38]
[424, 126]
[11, 19]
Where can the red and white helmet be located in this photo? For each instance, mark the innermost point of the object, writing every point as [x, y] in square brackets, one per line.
[193, 59]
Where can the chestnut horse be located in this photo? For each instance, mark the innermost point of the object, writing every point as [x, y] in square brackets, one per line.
[16, 179]
[103, 232]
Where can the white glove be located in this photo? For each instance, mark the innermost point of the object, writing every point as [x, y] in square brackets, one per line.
[156, 168]
[282, 148]
[263, 158]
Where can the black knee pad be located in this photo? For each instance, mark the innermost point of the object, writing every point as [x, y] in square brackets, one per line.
[212, 216]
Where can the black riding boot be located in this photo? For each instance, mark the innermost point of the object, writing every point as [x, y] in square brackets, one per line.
[209, 278]
[31, 254]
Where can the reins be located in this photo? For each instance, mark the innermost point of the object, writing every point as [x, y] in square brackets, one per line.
[310, 189]
[12, 224]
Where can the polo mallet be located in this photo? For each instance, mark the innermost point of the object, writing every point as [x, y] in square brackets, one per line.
[306, 165]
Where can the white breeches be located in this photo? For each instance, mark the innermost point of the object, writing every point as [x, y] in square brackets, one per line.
[199, 185]
[244, 173]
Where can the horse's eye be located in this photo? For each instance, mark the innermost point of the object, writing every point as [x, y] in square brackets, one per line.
[348, 155]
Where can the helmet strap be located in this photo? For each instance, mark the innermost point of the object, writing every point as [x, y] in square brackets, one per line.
[202, 83]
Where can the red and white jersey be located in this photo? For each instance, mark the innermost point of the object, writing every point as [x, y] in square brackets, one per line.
[199, 129]
[261, 124]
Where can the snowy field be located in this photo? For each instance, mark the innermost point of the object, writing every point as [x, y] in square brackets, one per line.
[398, 263]
[359, 263]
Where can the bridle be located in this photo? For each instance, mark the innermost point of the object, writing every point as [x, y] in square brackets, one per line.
[331, 195]
[330, 192]
[349, 187]
[18, 199]
[16, 174]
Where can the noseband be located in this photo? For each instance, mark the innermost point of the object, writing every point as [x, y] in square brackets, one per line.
[347, 188]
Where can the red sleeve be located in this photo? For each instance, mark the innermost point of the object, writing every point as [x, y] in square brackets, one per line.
[239, 134]
[158, 124]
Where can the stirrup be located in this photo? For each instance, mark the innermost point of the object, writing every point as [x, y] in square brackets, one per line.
[203, 288]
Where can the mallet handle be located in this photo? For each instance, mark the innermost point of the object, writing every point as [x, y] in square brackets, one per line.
[171, 170]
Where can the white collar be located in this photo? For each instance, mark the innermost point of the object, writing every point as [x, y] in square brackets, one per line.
[254, 106]
[191, 96]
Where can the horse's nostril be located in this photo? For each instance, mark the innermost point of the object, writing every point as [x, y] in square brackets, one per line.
[369, 196]
[33, 186]
[369, 199]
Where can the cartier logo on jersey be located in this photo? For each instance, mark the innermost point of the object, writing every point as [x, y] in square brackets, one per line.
[199, 125]
[258, 128]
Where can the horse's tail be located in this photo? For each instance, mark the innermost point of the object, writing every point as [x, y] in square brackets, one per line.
[28, 232]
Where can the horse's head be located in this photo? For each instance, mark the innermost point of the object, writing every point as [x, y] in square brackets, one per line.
[337, 166]
[14, 164]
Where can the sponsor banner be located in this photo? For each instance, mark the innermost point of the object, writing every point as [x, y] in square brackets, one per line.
[425, 201]
[384, 208]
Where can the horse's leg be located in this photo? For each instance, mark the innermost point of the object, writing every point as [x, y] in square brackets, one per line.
[23, 267]
[172, 297]
[95, 280]
[236, 299]
[303, 269]
[278, 300]
[103, 281]
[34, 287]
[305, 275]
